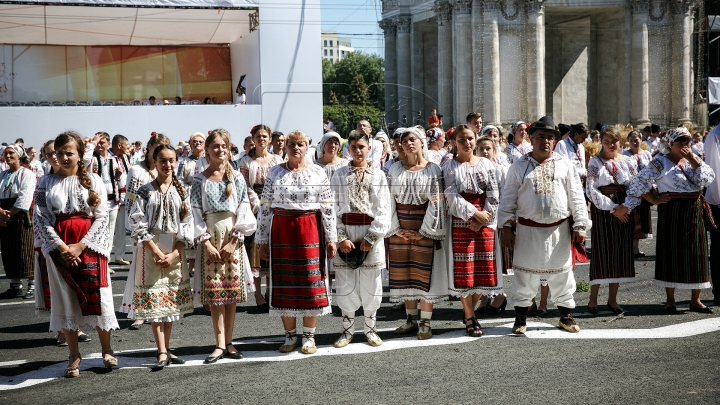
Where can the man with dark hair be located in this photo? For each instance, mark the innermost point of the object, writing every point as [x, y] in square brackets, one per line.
[543, 191]
[278, 143]
[151, 100]
[20, 142]
[474, 121]
[120, 148]
[653, 141]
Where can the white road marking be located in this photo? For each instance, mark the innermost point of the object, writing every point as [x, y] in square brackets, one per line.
[33, 301]
[536, 330]
[12, 363]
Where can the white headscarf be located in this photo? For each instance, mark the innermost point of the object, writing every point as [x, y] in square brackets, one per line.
[18, 149]
[384, 136]
[420, 133]
[320, 151]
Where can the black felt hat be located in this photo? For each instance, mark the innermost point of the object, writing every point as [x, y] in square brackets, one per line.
[545, 122]
[354, 258]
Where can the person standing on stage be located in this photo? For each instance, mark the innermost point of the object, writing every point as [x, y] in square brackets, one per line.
[544, 192]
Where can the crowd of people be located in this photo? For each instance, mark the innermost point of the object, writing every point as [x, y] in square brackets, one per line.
[437, 213]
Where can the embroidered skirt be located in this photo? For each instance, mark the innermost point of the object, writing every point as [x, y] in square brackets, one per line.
[298, 264]
[474, 261]
[417, 270]
[16, 242]
[221, 283]
[612, 260]
[81, 297]
[682, 245]
[160, 294]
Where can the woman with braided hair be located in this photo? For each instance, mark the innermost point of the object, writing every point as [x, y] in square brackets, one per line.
[161, 223]
[222, 218]
[138, 175]
[70, 220]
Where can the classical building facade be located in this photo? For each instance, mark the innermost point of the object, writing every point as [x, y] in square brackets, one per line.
[607, 61]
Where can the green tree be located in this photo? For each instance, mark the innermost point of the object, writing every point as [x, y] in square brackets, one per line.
[358, 91]
[332, 99]
[343, 75]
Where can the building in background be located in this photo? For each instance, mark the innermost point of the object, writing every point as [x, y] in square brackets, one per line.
[607, 61]
[335, 48]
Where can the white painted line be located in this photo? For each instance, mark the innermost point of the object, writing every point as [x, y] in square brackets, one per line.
[33, 301]
[12, 363]
[536, 330]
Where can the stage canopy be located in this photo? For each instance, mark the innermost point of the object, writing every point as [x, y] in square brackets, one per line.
[125, 22]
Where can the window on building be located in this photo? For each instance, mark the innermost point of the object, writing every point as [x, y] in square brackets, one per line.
[326, 42]
[326, 52]
[331, 52]
[331, 61]
[342, 53]
[331, 43]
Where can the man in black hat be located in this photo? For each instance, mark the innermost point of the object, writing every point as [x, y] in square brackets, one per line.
[544, 192]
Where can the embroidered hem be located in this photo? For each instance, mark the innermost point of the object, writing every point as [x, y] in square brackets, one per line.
[536, 271]
[95, 247]
[106, 322]
[488, 292]
[682, 286]
[414, 297]
[612, 280]
[293, 313]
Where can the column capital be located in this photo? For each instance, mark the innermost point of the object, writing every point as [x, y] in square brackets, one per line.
[388, 26]
[389, 4]
[443, 10]
[490, 5]
[534, 6]
[517, 6]
[403, 23]
[462, 6]
[639, 6]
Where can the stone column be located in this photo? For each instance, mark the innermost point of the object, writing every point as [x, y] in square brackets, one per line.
[417, 63]
[476, 57]
[404, 71]
[462, 39]
[443, 11]
[491, 63]
[391, 89]
[640, 74]
[681, 65]
[535, 74]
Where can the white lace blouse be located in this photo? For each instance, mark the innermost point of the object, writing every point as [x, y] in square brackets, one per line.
[331, 169]
[64, 195]
[307, 190]
[155, 212]
[668, 177]
[369, 196]
[514, 152]
[19, 184]
[599, 173]
[254, 174]
[474, 179]
[137, 177]
[209, 197]
[417, 188]
[642, 158]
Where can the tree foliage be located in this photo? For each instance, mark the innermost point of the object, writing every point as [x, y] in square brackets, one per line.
[346, 117]
[356, 79]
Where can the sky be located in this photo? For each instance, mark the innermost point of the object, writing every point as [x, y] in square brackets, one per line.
[356, 20]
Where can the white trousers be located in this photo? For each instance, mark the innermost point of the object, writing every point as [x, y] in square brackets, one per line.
[112, 218]
[356, 288]
[117, 240]
[562, 287]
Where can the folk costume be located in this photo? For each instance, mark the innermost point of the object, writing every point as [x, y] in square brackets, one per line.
[712, 194]
[105, 168]
[641, 214]
[16, 238]
[255, 174]
[219, 218]
[362, 206]
[160, 294]
[573, 151]
[137, 177]
[320, 152]
[515, 152]
[297, 219]
[606, 188]
[682, 248]
[474, 257]
[81, 297]
[549, 204]
[185, 173]
[118, 247]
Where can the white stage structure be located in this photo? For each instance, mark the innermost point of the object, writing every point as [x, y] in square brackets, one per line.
[279, 57]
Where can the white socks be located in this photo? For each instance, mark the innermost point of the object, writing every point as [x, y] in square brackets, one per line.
[308, 336]
[290, 337]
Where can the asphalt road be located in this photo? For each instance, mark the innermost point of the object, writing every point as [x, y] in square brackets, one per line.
[643, 357]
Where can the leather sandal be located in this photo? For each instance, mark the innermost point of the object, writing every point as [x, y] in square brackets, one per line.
[73, 371]
[473, 329]
[111, 361]
[214, 359]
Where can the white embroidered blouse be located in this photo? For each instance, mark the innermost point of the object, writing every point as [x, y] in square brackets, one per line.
[473, 179]
[331, 169]
[514, 152]
[417, 188]
[543, 193]
[209, 197]
[642, 158]
[64, 195]
[137, 177]
[19, 184]
[155, 212]
[254, 174]
[307, 190]
[368, 196]
[573, 151]
[668, 177]
[600, 173]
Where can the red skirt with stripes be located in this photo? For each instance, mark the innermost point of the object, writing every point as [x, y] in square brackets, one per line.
[473, 252]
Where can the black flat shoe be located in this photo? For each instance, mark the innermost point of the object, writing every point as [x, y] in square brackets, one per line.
[161, 364]
[175, 360]
[705, 310]
[670, 310]
[236, 355]
[29, 295]
[211, 360]
[500, 310]
[264, 308]
[84, 338]
[593, 310]
[542, 313]
[617, 311]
